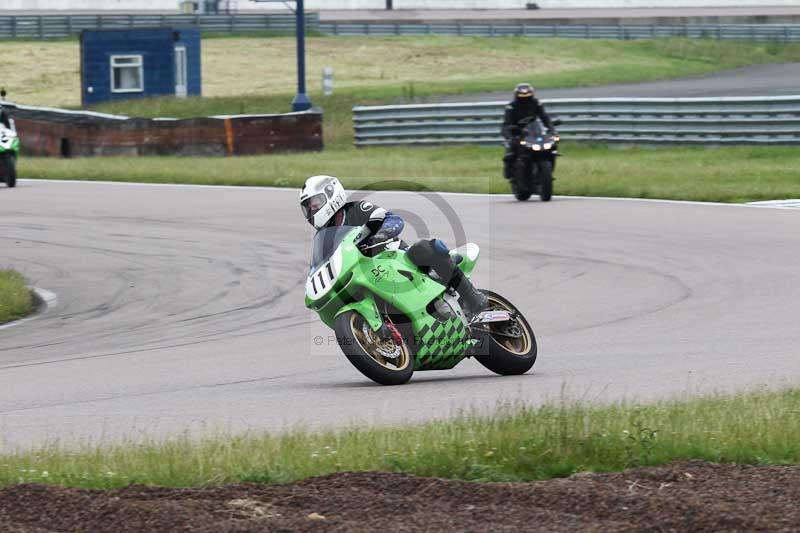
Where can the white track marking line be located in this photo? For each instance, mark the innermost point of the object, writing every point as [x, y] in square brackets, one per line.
[49, 300]
[777, 204]
[457, 194]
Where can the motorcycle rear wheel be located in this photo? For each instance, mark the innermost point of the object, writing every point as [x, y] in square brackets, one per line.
[512, 350]
[366, 351]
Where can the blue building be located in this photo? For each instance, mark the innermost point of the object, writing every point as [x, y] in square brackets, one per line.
[140, 63]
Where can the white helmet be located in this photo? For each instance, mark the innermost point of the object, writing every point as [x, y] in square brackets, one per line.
[320, 198]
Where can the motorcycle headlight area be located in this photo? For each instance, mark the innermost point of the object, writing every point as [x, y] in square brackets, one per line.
[321, 281]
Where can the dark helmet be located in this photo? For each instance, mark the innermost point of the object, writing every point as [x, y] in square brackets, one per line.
[523, 90]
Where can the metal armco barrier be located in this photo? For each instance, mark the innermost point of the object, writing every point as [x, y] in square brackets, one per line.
[752, 32]
[54, 26]
[750, 120]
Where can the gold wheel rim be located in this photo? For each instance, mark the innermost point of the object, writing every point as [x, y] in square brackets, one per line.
[514, 345]
[379, 349]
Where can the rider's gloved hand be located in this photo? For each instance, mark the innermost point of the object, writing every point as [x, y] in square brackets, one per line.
[381, 236]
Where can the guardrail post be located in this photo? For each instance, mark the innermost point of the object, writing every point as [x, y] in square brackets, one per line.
[69, 25]
[13, 26]
[428, 28]
[99, 22]
[41, 27]
[460, 29]
[491, 30]
[786, 34]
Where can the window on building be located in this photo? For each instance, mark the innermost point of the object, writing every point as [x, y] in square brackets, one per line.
[127, 74]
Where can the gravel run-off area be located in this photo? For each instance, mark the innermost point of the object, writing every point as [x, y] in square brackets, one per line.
[681, 496]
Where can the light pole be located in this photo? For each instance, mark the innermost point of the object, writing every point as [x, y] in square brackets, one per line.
[301, 102]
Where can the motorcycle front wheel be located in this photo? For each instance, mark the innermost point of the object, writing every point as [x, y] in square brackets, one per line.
[520, 193]
[546, 180]
[509, 347]
[383, 361]
[520, 184]
[10, 170]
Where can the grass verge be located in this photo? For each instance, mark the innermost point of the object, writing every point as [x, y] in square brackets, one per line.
[15, 297]
[726, 174]
[515, 444]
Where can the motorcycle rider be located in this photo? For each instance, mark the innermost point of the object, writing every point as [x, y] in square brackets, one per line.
[4, 120]
[525, 105]
[323, 202]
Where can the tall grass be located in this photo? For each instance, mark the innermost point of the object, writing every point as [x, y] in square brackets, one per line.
[15, 297]
[514, 444]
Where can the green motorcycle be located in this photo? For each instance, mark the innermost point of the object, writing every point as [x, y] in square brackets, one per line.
[9, 148]
[391, 319]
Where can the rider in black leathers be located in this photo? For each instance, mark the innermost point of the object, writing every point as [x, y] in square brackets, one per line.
[4, 120]
[525, 105]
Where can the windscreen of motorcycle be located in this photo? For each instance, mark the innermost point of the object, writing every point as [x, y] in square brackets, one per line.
[326, 262]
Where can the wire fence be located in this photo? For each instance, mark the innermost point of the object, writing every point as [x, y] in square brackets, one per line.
[59, 26]
[751, 120]
[752, 32]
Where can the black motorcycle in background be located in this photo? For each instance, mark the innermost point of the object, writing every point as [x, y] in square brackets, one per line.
[535, 161]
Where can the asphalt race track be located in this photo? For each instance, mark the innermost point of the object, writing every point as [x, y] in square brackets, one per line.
[181, 308]
[781, 79]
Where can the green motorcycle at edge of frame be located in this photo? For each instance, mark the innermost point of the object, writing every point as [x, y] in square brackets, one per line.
[390, 318]
[9, 149]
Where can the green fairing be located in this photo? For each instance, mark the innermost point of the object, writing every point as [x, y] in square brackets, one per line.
[391, 277]
[13, 148]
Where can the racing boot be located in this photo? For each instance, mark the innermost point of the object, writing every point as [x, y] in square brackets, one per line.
[473, 300]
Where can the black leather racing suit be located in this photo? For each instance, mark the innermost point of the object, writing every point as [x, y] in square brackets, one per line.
[379, 221]
[516, 111]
